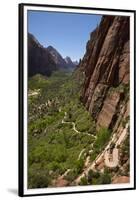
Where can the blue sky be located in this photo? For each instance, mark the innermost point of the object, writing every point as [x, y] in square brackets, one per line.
[66, 32]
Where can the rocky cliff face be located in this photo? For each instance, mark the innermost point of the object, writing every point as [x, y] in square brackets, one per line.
[106, 70]
[39, 59]
[43, 60]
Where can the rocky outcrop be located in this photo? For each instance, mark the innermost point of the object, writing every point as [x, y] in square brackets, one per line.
[106, 70]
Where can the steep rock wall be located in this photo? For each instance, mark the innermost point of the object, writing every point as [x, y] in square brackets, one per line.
[106, 70]
[40, 60]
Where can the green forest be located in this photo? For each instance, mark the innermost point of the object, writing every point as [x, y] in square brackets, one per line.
[53, 145]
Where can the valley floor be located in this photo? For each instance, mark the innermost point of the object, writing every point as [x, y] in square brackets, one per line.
[63, 144]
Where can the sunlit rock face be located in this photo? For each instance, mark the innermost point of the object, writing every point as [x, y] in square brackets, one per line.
[105, 64]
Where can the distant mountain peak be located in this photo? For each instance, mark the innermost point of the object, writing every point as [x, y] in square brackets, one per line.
[64, 63]
[68, 59]
[58, 59]
[76, 62]
[45, 60]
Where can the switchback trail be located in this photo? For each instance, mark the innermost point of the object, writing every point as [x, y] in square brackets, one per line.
[106, 154]
[74, 126]
[112, 160]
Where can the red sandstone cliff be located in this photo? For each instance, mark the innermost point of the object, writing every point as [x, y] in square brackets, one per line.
[106, 69]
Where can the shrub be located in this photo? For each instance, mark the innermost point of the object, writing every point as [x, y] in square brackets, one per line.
[55, 166]
[38, 179]
[71, 175]
[92, 129]
[105, 178]
[103, 137]
[79, 165]
[61, 156]
[90, 176]
[83, 181]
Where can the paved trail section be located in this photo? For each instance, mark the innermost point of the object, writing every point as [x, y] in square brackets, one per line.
[111, 159]
[82, 151]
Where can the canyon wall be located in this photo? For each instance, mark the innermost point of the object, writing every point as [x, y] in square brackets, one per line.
[105, 66]
[40, 61]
